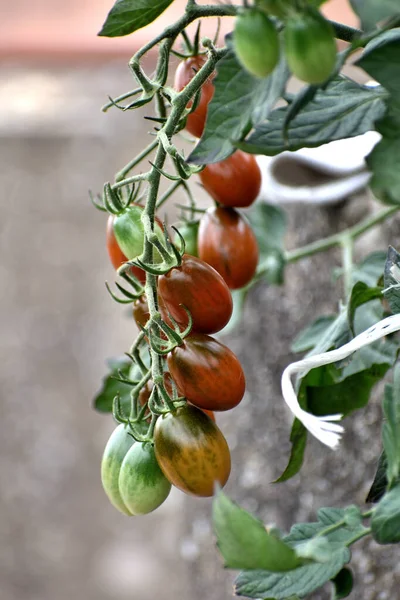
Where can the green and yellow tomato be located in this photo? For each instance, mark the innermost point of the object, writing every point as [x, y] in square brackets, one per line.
[256, 42]
[115, 451]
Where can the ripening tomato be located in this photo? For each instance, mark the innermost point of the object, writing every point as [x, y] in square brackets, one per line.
[185, 72]
[207, 373]
[142, 484]
[256, 42]
[310, 46]
[191, 451]
[199, 288]
[235, 181]
[115, 451]
[129, 232]
[115, 253]
[168, 387]
[227, 243]
[140, 311]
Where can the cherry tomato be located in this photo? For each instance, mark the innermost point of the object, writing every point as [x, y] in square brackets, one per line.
[140, 311]
[310, 46]
[199, 288]
[189, 232]
[168, 387]
[129, 232]
[256, 42]
[185, 71]
[115, 451]
[227, 243]
[142, 484]
[235, 181]
[115, 253]
[207, 373]
[191, 451]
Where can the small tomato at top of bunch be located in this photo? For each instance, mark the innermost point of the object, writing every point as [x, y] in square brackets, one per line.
[310, 46]
[235, 181]
[198, 287]
[115, 253]
[256, 42]
[228, 243]
[129, 231]
[185, 72]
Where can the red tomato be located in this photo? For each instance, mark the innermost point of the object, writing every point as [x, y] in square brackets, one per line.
[141, 311]
[185, 71]
[168, 387]
[115, 253]
[191, 451]
[235, 181]
[227, 243]
[199, 288]
[207, 373]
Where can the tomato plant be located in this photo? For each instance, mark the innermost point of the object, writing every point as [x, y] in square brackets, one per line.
[235, 181]
[227, 243]
[191, 451]
[256, 42]
[201, 290]
[207, 373]
[129, 231]
[115, 253]
[115, 451]
[140, 311]
[189, 232]
[184, 73]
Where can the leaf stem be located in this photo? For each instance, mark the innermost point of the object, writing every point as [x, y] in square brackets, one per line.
[359, 536]
[135, 161]
[346, 245]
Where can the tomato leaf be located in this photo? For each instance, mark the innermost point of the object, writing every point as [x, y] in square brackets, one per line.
[391, 428]
[298, 438]
[381, 60]
[310, 335]
[103, 401]
[385, 522]
[379, 485]
[372, 12]
[370, 270]
[240, 102]
[127, 16]
[392, 279]
[360, 294]
[344, 109]
[343, 584]
[245, 543]
[269, 225]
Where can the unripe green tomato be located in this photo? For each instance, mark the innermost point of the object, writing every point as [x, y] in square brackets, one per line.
[310, 46]
[189, 233]
[115, 451]
[129, 232]
[142, 484]
[256, 42]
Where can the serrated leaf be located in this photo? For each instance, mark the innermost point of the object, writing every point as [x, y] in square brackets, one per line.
[317, 549]
[240, 102]
[372, 12]
[360, 294]
[103, 400]
[380, 482]
[127, 16]
[245, 543]
[343, 584]
[381, 60]
[385, 522]
[391, 428]
[370, 270]
[311, 335]
[344, 109]
[392, 279]
[298, 439]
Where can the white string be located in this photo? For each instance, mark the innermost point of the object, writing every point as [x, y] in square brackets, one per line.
[323, 428]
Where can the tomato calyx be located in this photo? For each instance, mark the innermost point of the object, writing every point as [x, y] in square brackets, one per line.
[175, 337]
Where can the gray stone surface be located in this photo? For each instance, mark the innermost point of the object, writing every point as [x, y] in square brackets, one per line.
[59, 536]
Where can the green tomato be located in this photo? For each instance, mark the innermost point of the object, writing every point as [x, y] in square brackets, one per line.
[115, 451]
[256, 42]
[189, 233]
[310, 46]
[142, 484]
[129, 232]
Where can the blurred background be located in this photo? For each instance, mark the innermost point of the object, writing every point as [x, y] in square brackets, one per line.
[59, 536]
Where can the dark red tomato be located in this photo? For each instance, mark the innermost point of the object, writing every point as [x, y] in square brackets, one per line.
[168, 387]
[207, 373]
[185, 71]
[227, 242]
[115, 253]
[191, 451]
[235, 181]
[199, 288]
[140, 311]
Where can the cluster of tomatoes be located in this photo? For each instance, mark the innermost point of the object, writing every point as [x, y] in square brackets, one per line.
[201, 375]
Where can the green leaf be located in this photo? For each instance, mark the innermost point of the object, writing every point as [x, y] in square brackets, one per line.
[245, 543]
[385, 522]
[240, 102]
[103, 400]
[391, 428]
[372, 12]
[370, 270]
[311, 335]
[269, 225]
[298, 438]
[127, 16]
[381, 60]
[343, 584]
[344, 109]
[360, 294]
[379, 485]
[392, 279]
[239, 299]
